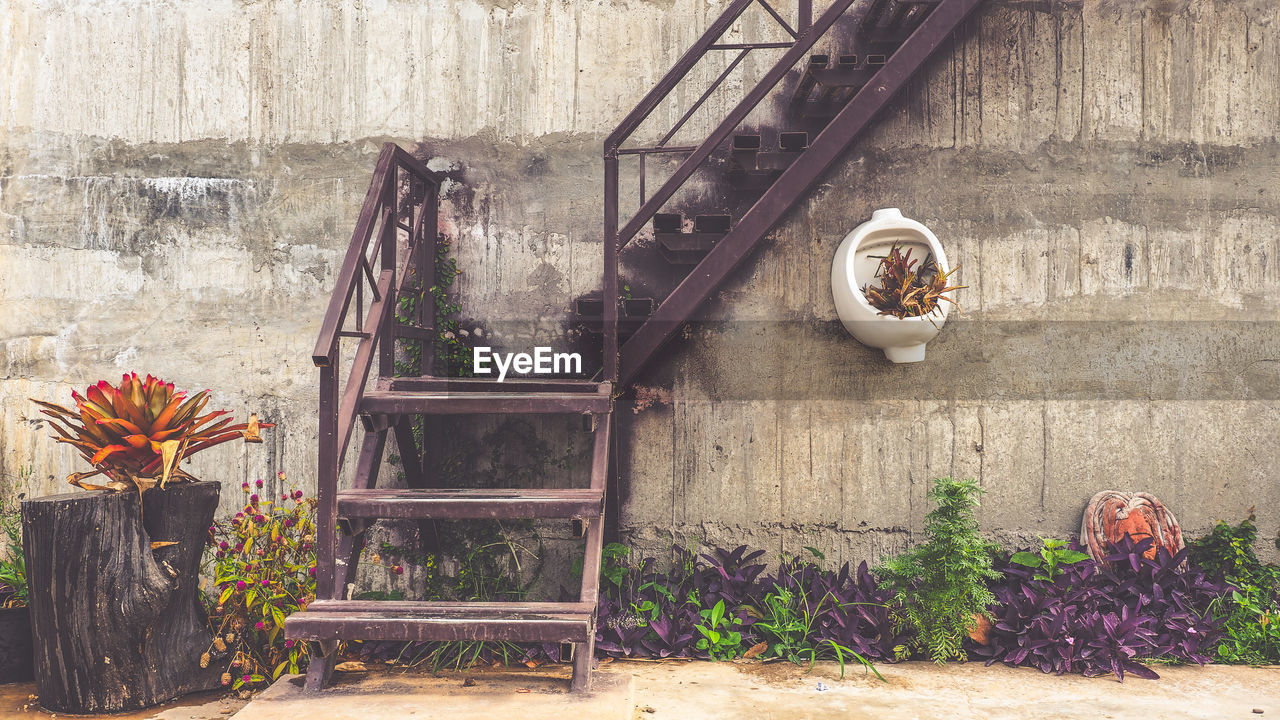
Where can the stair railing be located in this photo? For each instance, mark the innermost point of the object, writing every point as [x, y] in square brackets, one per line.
[615, 239]
[393, 247]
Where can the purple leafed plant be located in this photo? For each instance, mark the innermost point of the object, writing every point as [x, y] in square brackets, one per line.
[646, 613]
[1099, 618]
[849, 608]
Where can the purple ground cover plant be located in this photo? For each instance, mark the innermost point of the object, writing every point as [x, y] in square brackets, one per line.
[1100, 618]
[645, 612]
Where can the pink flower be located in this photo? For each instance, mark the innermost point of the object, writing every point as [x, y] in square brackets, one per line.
[398, 570]
[246, 677]
[297, 494]
[244, 485]
[240, 585]
[288, 644]
[312, 571]
[260, 519]
[266, 583]
[253, 499]
[220, 554]
[224, 545]
[261, 625]
[258, 483]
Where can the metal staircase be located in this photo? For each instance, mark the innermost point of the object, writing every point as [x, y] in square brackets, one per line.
[883, 43]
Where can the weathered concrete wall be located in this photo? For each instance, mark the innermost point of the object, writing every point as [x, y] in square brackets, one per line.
[180, 179]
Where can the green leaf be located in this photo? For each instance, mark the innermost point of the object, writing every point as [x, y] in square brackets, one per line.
[815, 552]
[275, 674]
[1072, 556]
[1028, 559]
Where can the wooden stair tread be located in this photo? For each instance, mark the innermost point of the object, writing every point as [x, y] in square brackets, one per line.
[401, 621]
[469, 503]
[493, 609]
[435, 402]
[510, 385]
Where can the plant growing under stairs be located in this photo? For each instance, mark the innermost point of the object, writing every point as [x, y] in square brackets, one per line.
[827, 104]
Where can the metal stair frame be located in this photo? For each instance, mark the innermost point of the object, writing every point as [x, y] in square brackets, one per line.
[859, 111]
[394, 245]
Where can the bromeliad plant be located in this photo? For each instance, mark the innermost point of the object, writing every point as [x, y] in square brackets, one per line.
[263, 562]
[907, 291]
[138, 432]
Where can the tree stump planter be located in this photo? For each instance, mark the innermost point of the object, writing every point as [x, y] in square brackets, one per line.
[116, 624]
[15, 645]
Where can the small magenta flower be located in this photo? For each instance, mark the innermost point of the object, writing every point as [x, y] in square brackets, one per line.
[398, 570]
[240, 585]
[253, 499]
[224, 545]
[261, 625]
[220, 554]
[297, 494]
[266, 583]
[312, 571]
[288, 644]
[213, 529]
[260, 519]
[246, 677]
[258, 483]
[244, 485]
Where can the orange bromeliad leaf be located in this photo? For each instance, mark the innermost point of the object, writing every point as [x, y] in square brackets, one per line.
[137, 433]
[903, 292]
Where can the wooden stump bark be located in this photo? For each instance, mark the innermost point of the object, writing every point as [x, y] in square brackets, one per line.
[118, 625]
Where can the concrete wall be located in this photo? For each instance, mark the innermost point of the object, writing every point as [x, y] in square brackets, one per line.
[180, 179]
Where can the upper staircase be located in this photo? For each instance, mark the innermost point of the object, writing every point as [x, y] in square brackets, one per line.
[827, 100]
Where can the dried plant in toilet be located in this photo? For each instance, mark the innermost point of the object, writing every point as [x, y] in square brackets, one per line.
[907, 291]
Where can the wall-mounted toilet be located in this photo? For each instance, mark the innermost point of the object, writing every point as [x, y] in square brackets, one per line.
[854, 267]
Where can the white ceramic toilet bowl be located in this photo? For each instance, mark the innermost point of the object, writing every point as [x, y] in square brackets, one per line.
[854, 267]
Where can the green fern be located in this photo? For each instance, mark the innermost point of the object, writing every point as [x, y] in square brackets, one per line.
[942, 584]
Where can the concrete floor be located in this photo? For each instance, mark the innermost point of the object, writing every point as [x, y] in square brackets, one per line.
[670, 691]
[18, 701]
[715, 691]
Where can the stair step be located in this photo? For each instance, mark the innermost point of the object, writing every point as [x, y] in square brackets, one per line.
[632, 312]
[743, 179]
[410, 402]
[471, 503]
[685, 248]
[409, 621]
[510, 385]
[492, 609]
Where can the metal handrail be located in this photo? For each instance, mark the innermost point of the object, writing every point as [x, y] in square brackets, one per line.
[805, 35]
[397, 232]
